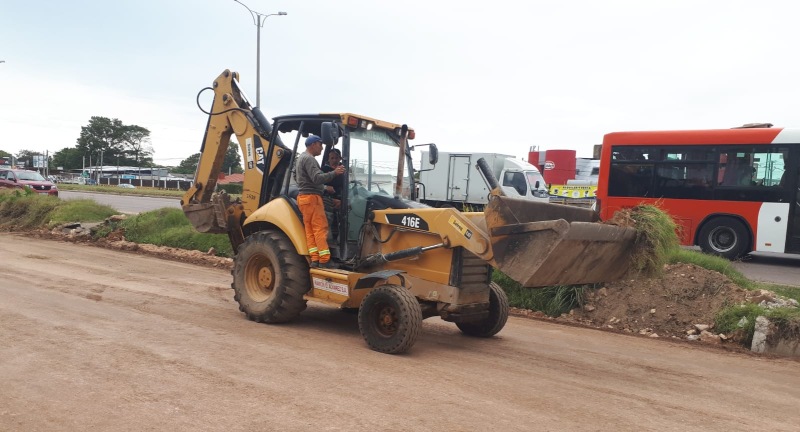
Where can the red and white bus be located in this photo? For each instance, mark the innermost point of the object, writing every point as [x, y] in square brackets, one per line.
[732, 191]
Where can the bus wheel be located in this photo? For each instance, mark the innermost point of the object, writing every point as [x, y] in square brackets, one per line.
[724, 236]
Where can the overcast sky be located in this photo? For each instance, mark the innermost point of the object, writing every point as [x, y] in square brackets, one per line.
[497, 76]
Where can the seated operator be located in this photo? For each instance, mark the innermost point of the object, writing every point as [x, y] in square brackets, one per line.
[332, 199]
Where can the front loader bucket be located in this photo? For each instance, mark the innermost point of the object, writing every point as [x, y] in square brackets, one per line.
[541, 244]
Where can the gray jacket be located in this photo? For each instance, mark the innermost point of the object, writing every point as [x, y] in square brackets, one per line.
[309, 176]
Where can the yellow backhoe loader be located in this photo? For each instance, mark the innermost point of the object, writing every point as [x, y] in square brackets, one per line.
[399, 261]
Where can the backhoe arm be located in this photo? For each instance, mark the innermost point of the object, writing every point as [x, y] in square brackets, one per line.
[231, 113]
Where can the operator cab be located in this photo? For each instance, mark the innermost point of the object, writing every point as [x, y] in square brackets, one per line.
[370, 152]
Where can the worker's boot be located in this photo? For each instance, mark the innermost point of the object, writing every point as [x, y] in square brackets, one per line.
[314, 264]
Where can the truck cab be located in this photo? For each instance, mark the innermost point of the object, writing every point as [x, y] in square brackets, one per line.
[522, 180]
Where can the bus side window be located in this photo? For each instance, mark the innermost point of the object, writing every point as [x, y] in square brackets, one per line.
[630, 180]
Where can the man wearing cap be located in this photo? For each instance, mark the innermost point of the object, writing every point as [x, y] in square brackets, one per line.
[311, 184]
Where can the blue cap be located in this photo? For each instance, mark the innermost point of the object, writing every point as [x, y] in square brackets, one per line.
[312, 139]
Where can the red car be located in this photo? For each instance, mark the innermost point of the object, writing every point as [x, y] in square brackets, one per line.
[19, 179]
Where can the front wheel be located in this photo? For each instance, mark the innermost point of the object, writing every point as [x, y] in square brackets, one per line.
[390, 319]
[495, 321]
[724, 236]
[270, 278]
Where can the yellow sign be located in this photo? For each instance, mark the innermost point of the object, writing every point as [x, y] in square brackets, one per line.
[570, 191]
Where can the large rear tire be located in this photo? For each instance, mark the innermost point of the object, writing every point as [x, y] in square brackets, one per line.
[498, 315]
[390, 319]
[270, 278]
[724, 236]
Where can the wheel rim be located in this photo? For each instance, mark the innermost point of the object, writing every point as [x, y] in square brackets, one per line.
[722, 239]
[259, 278]
[385, 320]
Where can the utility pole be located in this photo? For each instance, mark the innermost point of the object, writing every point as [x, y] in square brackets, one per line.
[258, 20]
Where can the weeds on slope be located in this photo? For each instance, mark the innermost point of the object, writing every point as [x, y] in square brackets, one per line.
[28, 210]
[170, 227]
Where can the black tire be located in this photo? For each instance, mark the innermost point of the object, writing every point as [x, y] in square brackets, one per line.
[724, 236]
[390, 319]
[498, 315]
[270, 278]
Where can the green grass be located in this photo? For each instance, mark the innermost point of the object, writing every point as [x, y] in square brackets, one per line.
[170, 227]
[656, 239]
[552, 301]
[165, 227]
[81, 210]
[27, 210]
[728, 320]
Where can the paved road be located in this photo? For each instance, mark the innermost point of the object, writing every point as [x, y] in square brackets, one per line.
[94, 339]
[773, 268]
[124, 203]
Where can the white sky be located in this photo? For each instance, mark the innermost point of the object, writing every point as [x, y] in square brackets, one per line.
[498, 76]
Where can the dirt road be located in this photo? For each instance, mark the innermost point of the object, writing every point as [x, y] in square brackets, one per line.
[92, 339]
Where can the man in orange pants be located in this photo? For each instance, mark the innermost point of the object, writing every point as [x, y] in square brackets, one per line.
[311, 183]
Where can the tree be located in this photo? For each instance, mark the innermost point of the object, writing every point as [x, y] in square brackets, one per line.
[232, 162]
[4, 154]
[136, 144]
[120, 143]
[188, 165]
[69, 158]
[101, 135]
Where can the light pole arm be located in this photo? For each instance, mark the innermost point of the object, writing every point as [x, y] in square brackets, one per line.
[256, 16]
[258, 20]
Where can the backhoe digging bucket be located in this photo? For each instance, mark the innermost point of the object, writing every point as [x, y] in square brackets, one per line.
[541, 244]
[209, 217]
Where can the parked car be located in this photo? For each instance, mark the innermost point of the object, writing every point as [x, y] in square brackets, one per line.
[20, 179]
[127, 186]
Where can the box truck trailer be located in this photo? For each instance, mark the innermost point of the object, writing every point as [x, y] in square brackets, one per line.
[456, 182]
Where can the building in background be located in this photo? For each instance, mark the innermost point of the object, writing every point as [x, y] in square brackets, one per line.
[568, 177]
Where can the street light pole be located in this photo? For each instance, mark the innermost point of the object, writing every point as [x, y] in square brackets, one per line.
[258, 20]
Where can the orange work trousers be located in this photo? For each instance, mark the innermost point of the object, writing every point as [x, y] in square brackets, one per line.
[316, 224]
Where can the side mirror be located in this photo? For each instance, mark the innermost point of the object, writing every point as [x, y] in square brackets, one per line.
[433, 154]
[329, 133]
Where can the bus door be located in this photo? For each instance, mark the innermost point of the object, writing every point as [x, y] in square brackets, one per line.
[791, 182]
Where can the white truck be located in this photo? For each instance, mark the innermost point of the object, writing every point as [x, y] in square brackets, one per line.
[456, 182]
